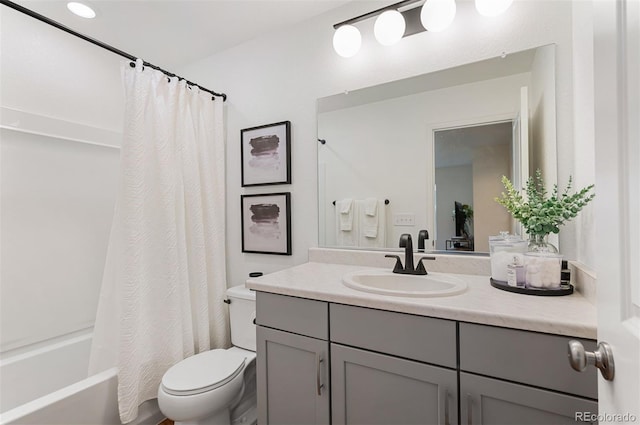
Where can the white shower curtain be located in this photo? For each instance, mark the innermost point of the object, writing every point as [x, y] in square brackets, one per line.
[165, 280]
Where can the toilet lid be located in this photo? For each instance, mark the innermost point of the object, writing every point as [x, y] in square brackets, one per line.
[203, 372]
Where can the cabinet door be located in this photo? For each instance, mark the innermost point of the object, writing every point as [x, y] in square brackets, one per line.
[371, 388]
[491, 401]
[292, 373]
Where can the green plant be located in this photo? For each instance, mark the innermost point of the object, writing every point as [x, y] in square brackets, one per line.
[541, 215]
[468, 211]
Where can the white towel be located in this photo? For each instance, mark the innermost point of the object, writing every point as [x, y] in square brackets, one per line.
[371, 207]
[369, 219]
[345, 205]
[364, 220]
[345, 214]
[347, 237]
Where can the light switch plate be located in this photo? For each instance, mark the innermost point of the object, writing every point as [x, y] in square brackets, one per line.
[404, 219]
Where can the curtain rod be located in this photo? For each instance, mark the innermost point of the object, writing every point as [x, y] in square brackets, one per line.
[98, 43]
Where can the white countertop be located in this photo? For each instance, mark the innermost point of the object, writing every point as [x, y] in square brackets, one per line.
[570, 315]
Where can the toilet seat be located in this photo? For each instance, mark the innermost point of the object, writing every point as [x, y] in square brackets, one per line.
[203, 372]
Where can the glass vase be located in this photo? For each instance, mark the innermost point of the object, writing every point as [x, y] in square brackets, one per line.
[538, 243]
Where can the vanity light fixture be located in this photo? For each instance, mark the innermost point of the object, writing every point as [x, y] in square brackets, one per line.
[347, 41]
[389, 27]
[398, 20]
[437, 15]
[81, 10]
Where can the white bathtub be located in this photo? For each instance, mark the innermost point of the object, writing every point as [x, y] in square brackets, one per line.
[48, 385]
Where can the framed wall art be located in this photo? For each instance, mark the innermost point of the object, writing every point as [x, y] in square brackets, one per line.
[266, 154]
[266, 223]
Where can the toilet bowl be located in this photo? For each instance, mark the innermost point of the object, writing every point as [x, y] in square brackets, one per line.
[216, 387]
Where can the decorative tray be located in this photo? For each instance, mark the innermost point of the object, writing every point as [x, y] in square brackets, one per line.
[565, 289]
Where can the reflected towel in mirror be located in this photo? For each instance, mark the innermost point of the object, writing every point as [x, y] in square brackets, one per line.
[372, 227]
[347, 230]
[345, 215]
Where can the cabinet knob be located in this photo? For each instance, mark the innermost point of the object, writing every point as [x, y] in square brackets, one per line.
[602, 358]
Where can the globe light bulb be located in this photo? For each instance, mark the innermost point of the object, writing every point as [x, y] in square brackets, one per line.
[347, 41]
[437, 15]
[389, 27]
[492, 7]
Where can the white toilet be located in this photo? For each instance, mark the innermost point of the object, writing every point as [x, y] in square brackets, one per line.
[217, 387]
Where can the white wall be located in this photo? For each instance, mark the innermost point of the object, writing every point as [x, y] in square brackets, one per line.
[48, 72]
[57, 202]
[582, 229]
[279, 77]
[58, 192]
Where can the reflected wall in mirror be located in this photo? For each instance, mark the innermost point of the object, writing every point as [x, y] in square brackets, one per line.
[401, 140]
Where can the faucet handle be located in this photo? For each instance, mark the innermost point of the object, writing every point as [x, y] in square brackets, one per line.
[398, 267]
[420, 268]
[422, 236]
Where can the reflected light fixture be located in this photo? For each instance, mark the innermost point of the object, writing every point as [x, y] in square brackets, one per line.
[347, 41]
[492, 7]
[389, 27]
[437, 15]
[81, 10]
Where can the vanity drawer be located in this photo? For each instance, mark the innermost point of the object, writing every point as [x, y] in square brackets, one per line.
[413, 337]
[292, 314]
[528, 357]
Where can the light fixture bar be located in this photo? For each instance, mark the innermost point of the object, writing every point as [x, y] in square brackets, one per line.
[413, 23]
[376, 12]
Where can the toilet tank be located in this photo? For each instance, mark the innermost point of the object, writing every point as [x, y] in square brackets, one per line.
[242, 313]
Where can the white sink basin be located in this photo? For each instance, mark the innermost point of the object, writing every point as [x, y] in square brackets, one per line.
[403, 285]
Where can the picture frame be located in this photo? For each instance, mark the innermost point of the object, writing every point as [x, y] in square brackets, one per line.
[265, 153]
[266, 223]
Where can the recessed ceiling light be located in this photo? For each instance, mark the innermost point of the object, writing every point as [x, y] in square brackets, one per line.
[81, 10]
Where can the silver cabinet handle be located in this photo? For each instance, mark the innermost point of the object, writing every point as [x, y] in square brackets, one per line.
[446, 408]
[319, 384]
[602, 358]
[469, 410]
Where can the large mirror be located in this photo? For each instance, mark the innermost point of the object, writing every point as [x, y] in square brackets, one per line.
[428, 153]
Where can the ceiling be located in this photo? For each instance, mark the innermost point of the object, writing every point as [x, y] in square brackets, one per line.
[171, 33]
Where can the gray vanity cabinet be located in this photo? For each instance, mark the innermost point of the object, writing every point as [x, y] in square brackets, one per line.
[292, 379]
[379, 370]
[292, 360]
[322, 363]
[376, 389]
[494, 402]
[526, 378]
